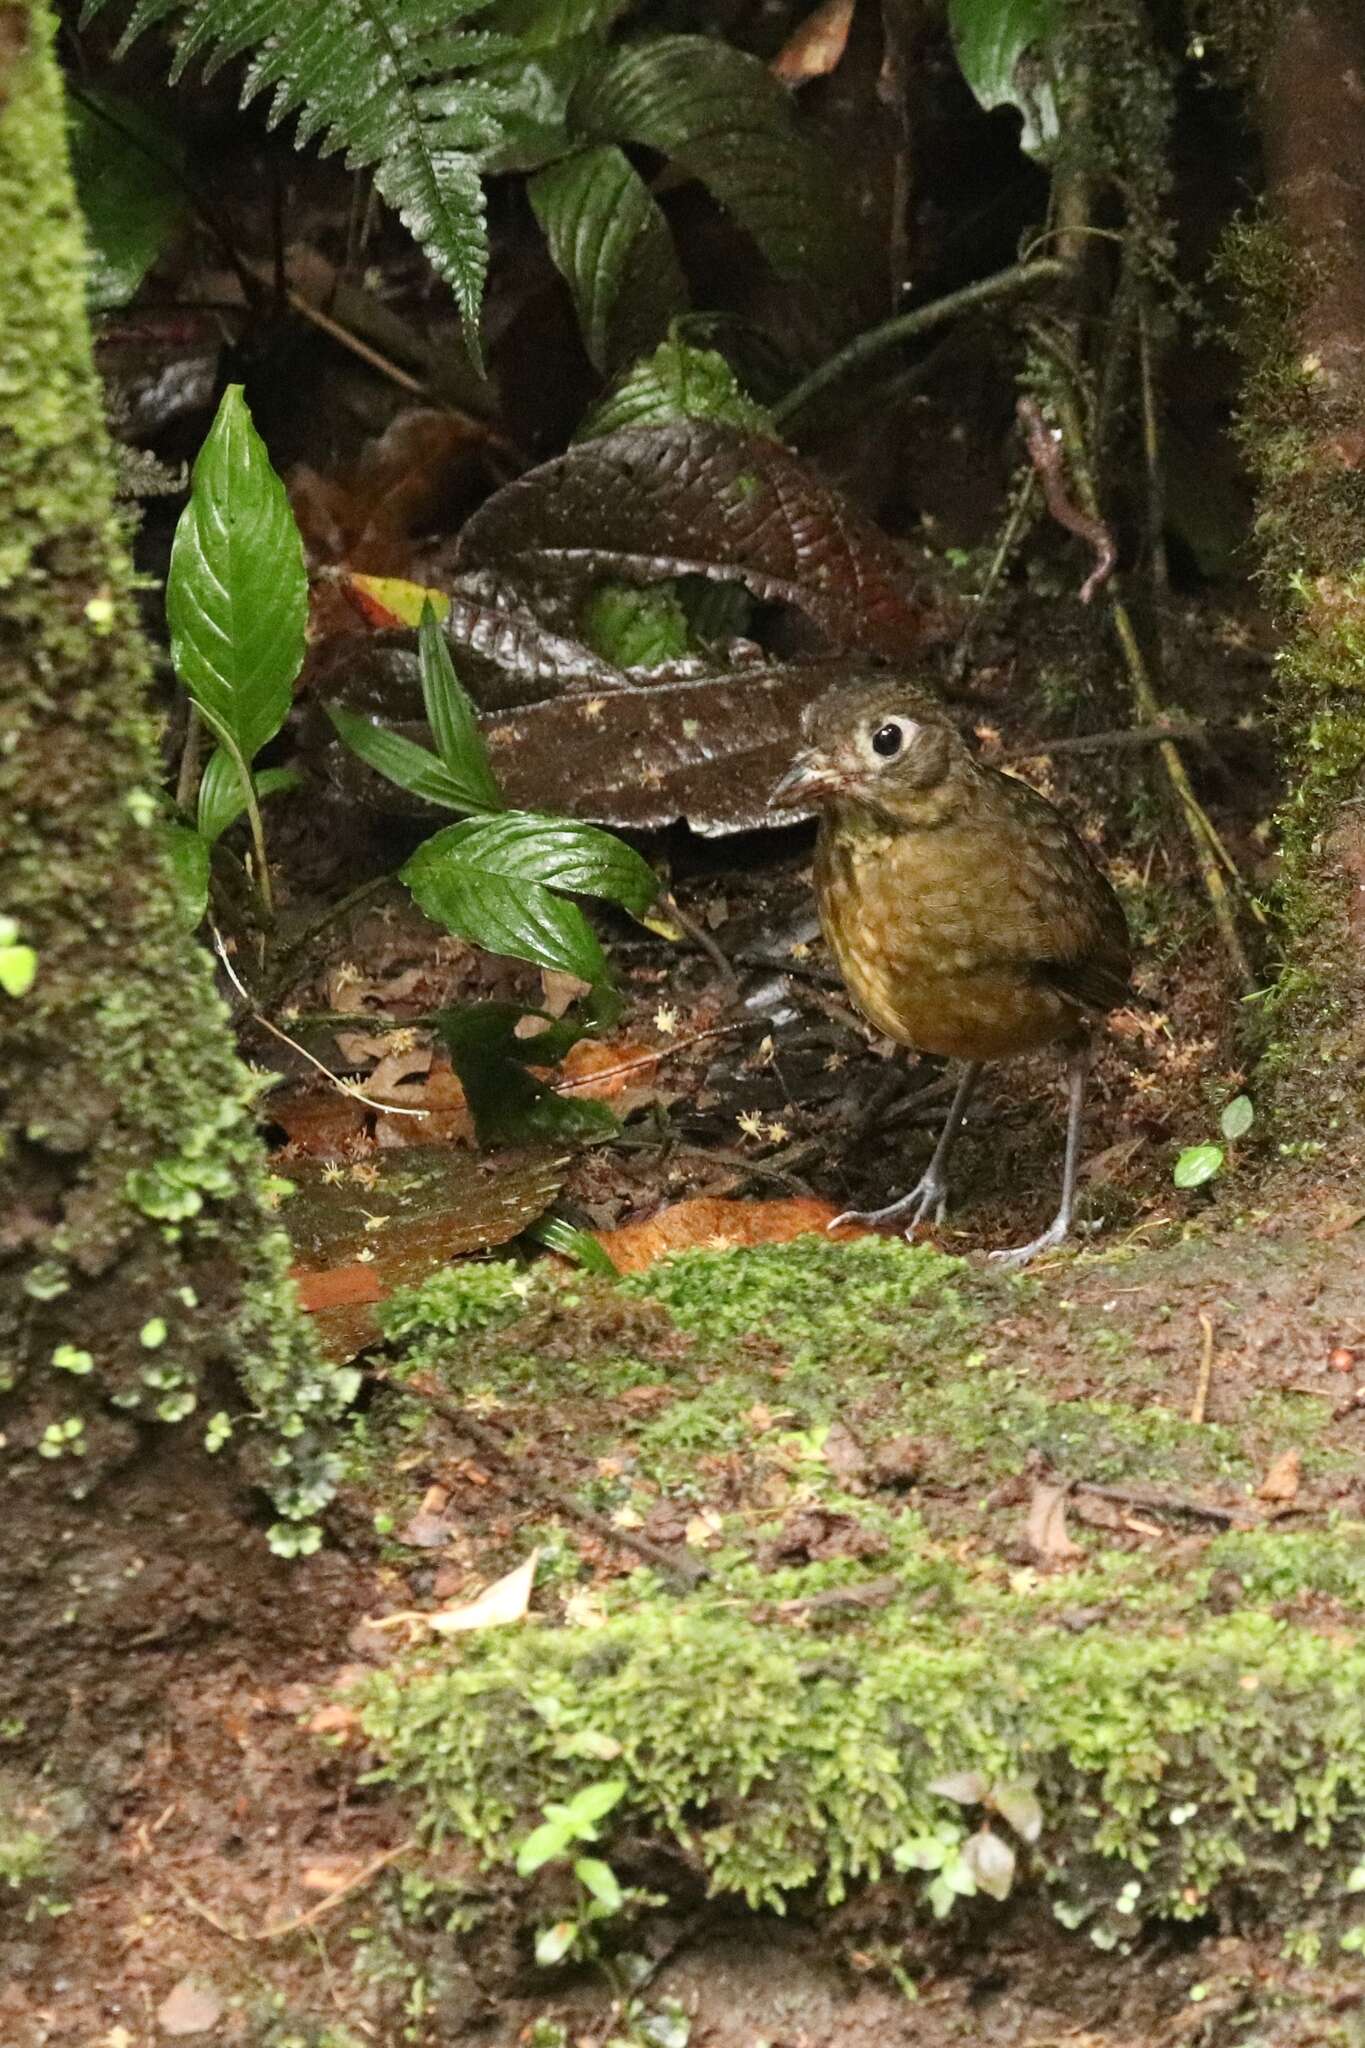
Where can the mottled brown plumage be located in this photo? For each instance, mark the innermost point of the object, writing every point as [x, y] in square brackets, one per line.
[963, 912]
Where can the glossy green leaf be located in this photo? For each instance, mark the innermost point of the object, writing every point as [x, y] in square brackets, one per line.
[508, 1104]
[460, 877]
[221, 797]
[126, 166]
[237, 593]
[1198, 1164]
[556, 853]
[558, 1235]
[719, 115]
[613, 248]
[454, 724]
[677, 382]
[1237, 1118]
[402, 761]
[1008, 52]
[187, 855]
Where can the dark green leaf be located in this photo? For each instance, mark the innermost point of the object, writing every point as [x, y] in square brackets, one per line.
[454, 726]
[402, 761]
[635, 628]
[614, 249]
[125, 165]
[521, 920]
[556, 853]
[187, 854]
[725, 120]
[221, 799]
[237, 593]
[677, 382]
[557, 1235]
[510, 1106]
[1008, 50]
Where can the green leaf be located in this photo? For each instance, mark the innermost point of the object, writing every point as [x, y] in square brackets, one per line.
[542, 1845]
[553, 853]
[593, 1802]
[187, 853]
[600, 1879]
[456, 879]
[19, 970]
[509, 1105]
[221, 798]
[237, 593]
[1007, 51]
[612, 245]
[677, 382]
[570, 1242]
[554, 1943]
[402, 761]
[1237, 1118]
[634, 627]
[126, 168]
[1198, 1164]
[454, 724]
[721, 117]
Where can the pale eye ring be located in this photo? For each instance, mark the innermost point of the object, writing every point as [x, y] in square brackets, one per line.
[888, 739]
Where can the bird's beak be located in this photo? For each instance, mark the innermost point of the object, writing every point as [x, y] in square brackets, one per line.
[807, 779]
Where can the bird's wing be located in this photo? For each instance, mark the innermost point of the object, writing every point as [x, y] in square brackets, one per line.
[1063, 920]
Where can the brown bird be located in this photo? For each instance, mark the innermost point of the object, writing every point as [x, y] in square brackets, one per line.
[964, 914]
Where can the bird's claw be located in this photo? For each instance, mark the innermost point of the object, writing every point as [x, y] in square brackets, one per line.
[928, 1196]
[1056, 1234]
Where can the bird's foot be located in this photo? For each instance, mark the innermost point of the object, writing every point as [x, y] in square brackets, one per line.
[1057, 1233]
[928, 1196]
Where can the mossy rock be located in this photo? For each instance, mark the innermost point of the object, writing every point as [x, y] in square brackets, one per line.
[1158, 1729]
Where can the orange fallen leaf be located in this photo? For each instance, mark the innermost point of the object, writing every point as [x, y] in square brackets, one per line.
[342, 1284]
[1281, 1481]
[712, 1223]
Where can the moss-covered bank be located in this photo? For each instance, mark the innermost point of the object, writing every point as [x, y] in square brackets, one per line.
[882, 1674]
[141, 1273]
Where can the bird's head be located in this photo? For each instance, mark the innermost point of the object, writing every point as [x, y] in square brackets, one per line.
[884, 743]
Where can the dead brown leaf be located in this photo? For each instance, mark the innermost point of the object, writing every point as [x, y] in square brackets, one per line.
[816, 46]
[1046, 1532]
[190, 2007]
[1281, 1482]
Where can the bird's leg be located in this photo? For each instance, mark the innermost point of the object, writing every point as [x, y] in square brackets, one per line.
[930, 1192]
[1078, 1067]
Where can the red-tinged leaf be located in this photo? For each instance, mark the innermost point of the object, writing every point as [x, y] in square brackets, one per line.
[704, 499]
[389, 601]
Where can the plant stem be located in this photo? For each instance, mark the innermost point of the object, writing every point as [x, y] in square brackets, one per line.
[188, 778]
[253, 812]
[1003, 284]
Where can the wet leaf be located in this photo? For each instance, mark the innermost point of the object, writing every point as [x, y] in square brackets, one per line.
[677, 382]
[468, 879]
[614, 249]
[402, 761]
[451, 716]
[717, 114]
[221, 801]
[1237, 1118]
[991, 1861]
[126, 167]
[237, 592]
[703, 499]
[1008, 51]
[509, 1104]
[1197, 1165]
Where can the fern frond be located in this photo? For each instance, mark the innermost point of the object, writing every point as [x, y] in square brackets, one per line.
[391, 82]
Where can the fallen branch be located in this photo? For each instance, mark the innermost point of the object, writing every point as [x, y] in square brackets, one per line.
[1165, 1504]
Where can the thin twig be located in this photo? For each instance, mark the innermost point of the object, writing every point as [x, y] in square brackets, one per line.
[1199, 1406]
[1162, 1503]
[187, 782]
[334, 1899]
[690, 1569]
[345, 1087]
[1004, 284]
[1009, 538]
[699, 936]
[1106, 742]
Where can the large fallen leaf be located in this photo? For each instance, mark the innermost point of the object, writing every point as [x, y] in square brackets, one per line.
[700, 498]
[712, 1223]
[505, 1601]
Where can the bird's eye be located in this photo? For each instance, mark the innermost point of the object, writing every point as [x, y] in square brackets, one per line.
[888, 739]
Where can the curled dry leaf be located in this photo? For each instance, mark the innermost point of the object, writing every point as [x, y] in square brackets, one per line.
[1281, 1482]
[505, 1601]
[991, 1861]
[712, 1223]
[699, 498]
[816, 46]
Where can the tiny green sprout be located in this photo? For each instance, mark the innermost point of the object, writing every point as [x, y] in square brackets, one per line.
[294, 1539]
[63, 1439]
[188, 1296]
[141, 806]
[383, 1522]
[218, 1431]
[69, 1358]
[175, 1407]
[153, 1333]
[1237, 1118]
[1198, 1164]
[46, 1281]
[1353, 1941]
